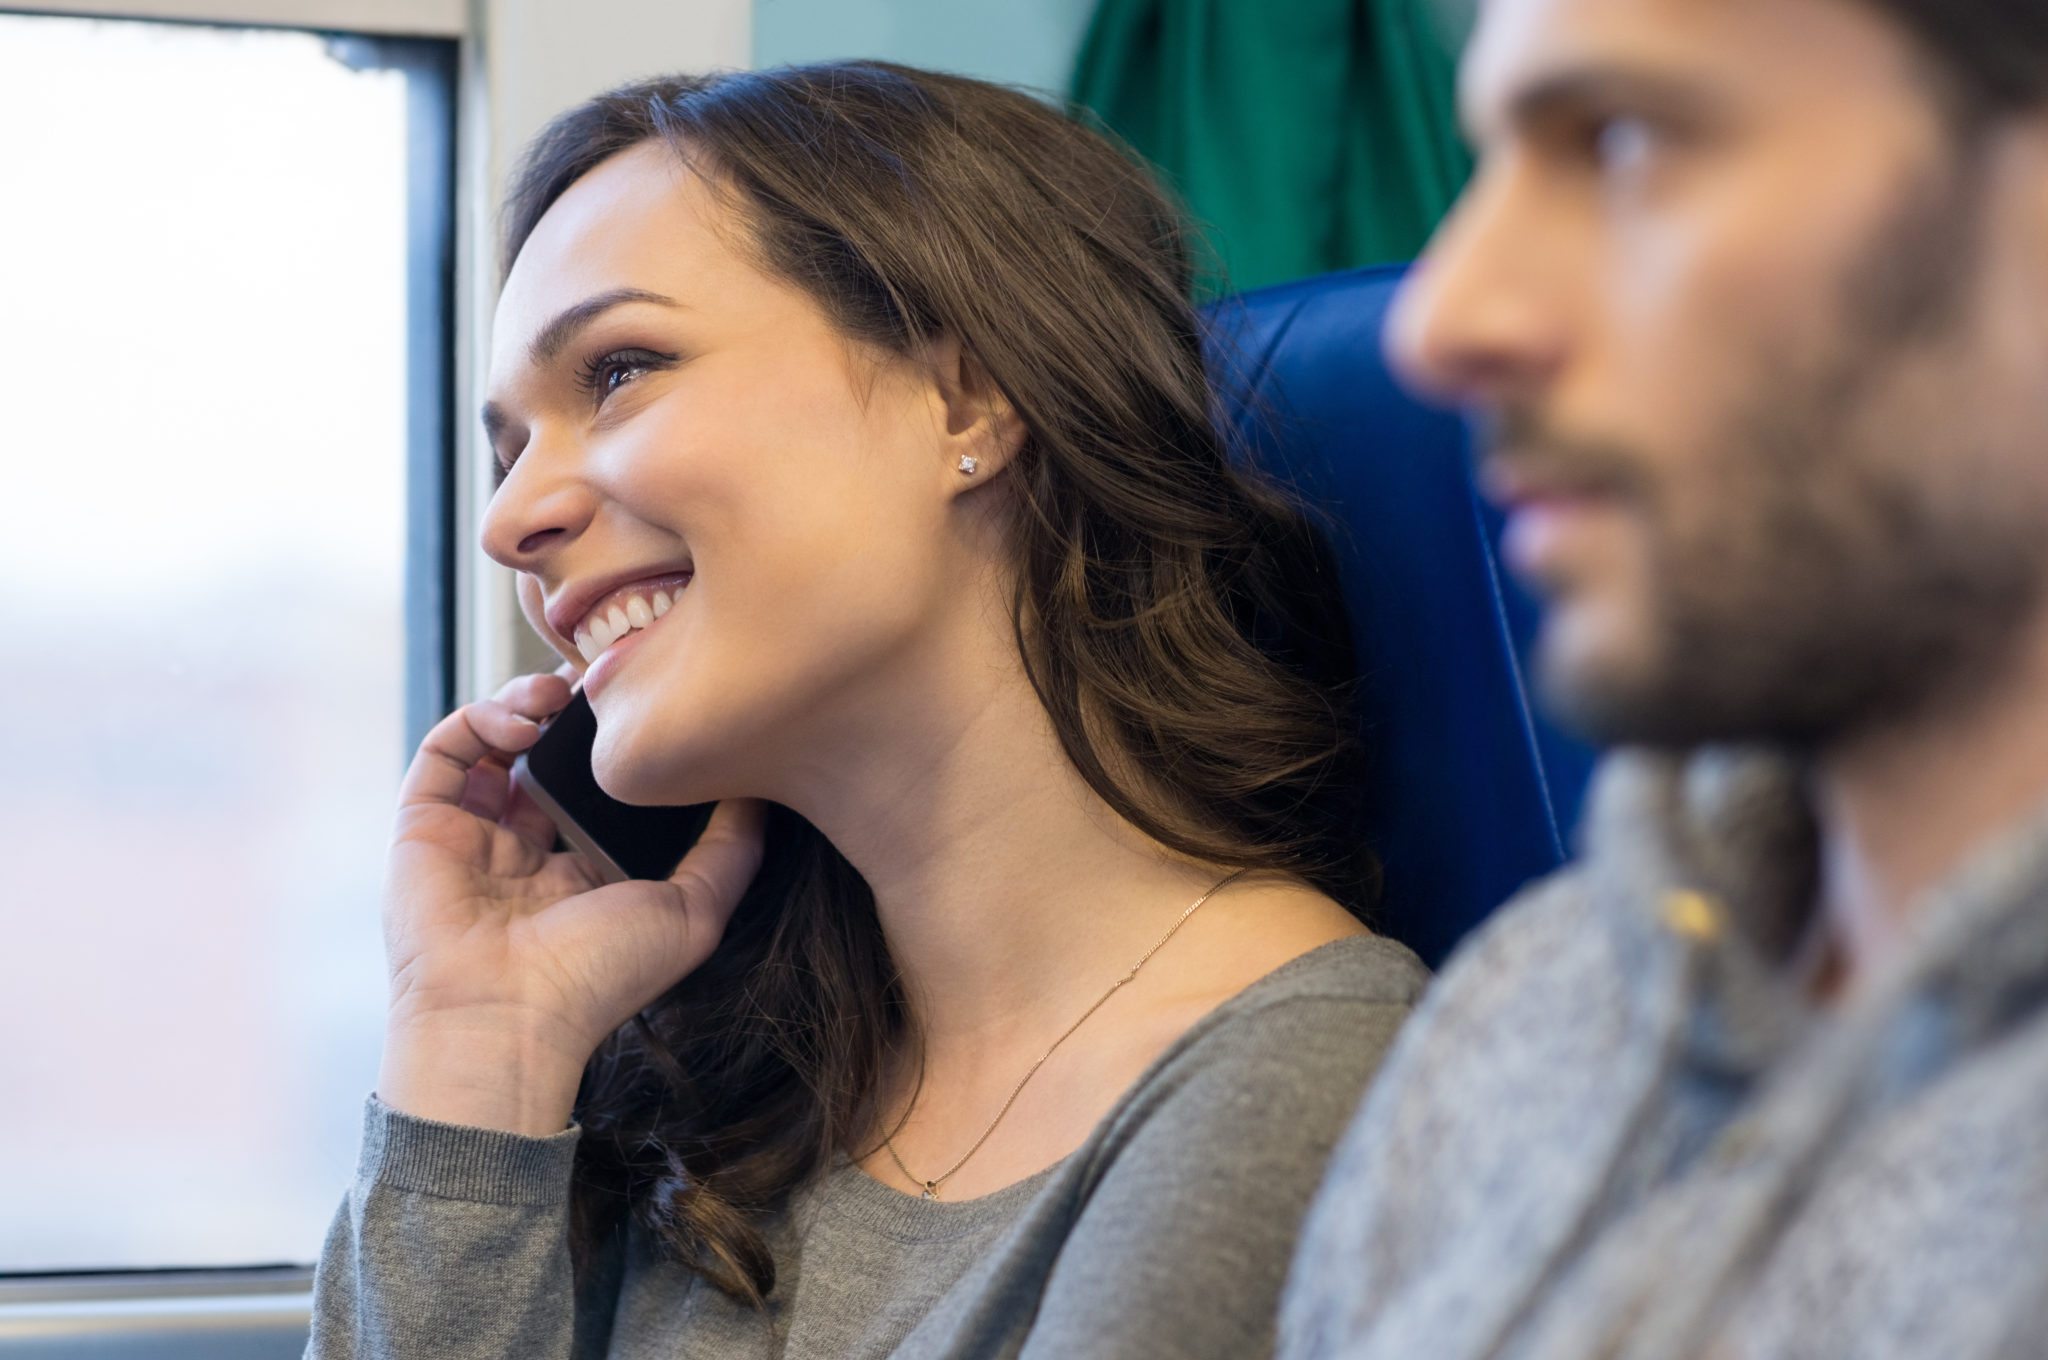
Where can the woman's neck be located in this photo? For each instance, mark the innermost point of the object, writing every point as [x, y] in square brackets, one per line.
[1012, 898]
[1009, 892]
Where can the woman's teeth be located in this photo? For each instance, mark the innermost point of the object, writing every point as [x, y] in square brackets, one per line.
[602, 629]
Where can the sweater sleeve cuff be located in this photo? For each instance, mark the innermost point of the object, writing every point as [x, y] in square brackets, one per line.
[457, 1161]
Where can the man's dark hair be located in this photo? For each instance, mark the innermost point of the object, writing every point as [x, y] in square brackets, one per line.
[1992, 55]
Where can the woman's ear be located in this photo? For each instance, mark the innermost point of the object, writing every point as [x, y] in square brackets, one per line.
[981, 431]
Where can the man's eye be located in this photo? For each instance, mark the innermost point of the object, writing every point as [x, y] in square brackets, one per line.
[1623, 145]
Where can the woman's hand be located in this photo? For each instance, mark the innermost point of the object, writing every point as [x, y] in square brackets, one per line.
[510, 963]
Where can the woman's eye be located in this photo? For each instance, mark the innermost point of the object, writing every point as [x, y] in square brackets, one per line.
[615, 376]
[607, 373]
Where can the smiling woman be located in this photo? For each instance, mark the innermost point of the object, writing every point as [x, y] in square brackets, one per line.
[859, 455]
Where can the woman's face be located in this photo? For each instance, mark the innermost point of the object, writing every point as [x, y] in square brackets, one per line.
[697, 453]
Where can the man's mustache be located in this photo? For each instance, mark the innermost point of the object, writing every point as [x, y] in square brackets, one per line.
[1519, 447]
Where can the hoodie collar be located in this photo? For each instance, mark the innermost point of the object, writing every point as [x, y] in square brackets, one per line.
[1715, 854]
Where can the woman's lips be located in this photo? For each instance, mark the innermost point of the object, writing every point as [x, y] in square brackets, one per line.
[627, 610]
[608, 662]
[577, 605]
[639, 617]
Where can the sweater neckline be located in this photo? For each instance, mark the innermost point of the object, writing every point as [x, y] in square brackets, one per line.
[850, 1191]
[847, 1189]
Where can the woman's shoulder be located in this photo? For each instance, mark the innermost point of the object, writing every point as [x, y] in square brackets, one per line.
[1354, 973]
[1282, 945]
[1299, 1043]
[1365, 968]
[1179, 1216]
[1318, 996]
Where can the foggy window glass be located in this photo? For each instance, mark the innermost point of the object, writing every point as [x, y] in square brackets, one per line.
[203, 450]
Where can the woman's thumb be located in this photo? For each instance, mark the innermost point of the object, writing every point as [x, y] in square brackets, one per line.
[715, 874]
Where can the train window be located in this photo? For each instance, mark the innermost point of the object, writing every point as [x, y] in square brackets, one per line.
[225, 262]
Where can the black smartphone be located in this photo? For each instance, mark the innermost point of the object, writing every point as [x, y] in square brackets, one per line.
[622, 840]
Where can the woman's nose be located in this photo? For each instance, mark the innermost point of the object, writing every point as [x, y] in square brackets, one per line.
[542, 504]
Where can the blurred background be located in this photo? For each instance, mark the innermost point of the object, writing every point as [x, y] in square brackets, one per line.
[1304, 135]
[245, 284]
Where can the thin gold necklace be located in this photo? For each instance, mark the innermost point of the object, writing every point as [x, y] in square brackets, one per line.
[931, 1187]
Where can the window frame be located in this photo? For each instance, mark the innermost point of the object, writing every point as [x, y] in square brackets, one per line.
[382, 18]
[432, 69]
[504, 67]
[256, 1301]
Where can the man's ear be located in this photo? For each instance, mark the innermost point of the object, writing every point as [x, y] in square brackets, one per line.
[980, 431]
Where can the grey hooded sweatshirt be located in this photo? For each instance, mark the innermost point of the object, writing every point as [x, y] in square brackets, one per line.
[1616, 1129]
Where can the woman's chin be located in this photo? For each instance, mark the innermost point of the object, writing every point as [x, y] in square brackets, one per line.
[667, 778]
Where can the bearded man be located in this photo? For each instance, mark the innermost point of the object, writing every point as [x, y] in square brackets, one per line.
[1750, 300]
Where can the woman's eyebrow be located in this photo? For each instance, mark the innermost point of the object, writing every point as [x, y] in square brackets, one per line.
[556, 335]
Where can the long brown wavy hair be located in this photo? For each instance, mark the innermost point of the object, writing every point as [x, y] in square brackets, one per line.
[1175, 614]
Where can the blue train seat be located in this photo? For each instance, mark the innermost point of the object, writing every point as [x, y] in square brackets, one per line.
[1472, 793]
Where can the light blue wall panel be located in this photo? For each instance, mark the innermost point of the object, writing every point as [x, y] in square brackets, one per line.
[1019, 42]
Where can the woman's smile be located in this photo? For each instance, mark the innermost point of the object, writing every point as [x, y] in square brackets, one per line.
[604, 630]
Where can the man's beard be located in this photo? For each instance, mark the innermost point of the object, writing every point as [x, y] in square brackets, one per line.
[1853, 573]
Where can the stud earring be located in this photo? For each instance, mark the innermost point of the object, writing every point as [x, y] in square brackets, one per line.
[968, 464]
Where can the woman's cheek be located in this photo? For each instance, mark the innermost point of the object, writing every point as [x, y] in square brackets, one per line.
[533, 605]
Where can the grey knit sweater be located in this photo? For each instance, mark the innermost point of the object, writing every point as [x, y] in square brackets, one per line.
[1616, 1130]
[1167, 1234]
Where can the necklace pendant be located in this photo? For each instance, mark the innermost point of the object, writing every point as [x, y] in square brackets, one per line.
[931, 1190]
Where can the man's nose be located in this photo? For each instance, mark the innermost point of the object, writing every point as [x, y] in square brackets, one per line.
[1474, 323]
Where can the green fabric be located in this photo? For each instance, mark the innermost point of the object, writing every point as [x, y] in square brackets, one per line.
[1305, 135]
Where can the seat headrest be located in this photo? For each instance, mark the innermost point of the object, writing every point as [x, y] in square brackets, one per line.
[1472, 793]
